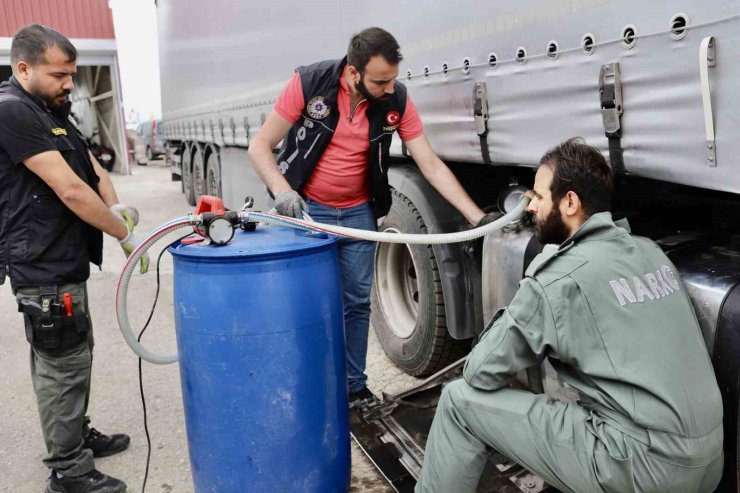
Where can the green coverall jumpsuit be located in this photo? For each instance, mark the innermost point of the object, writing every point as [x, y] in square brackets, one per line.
[610, 312]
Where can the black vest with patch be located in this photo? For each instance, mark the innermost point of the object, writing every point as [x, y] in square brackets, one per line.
[42, 242]
[310, 135]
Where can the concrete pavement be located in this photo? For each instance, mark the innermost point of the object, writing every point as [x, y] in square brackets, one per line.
[115, 403]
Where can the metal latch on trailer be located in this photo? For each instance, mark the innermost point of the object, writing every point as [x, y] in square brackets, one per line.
[612, 108]
[480, 115]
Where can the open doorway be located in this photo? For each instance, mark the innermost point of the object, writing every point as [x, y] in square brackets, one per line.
[96, 109]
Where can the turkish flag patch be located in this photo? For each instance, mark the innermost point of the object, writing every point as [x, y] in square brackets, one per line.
[392, 117]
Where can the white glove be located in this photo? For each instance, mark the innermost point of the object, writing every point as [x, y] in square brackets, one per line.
[127, 214]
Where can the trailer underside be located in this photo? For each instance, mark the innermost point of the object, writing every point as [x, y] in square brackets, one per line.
[392, 432]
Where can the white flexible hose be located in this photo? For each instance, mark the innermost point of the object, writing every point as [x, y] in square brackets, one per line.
[381, 237]
[122, 290]
[183, 222]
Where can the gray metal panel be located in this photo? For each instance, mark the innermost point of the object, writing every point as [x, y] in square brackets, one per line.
[235, 58]
[242, 180]
[535, 105]
[220, 52]
[502, 267]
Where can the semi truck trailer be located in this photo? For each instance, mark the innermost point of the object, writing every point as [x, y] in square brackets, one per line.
[651, 84]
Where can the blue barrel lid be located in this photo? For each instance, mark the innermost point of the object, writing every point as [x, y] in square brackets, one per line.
[266, 240]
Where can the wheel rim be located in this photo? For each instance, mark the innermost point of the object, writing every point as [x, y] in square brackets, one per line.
[397, 287]
[198, 174]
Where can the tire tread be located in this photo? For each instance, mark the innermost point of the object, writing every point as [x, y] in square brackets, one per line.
[445, 349]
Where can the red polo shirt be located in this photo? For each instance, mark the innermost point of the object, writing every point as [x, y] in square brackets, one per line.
[340, 178]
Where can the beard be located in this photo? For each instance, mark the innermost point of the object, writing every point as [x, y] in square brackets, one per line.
[366, 94]
[56, 100]
[552, 229]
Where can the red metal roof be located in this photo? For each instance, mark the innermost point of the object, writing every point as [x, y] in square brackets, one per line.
[73, 18]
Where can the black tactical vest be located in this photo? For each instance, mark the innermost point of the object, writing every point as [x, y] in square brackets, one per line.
[307, 140]
[42, 242]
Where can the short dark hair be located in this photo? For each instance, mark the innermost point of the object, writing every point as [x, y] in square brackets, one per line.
[31, 42]
[580, 168]
[371, 42]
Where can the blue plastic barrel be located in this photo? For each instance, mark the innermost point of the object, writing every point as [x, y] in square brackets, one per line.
[262, 362]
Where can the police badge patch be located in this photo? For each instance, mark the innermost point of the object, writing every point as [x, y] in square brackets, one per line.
[317, 108]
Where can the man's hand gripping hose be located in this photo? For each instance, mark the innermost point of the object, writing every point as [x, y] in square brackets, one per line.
[246, 216]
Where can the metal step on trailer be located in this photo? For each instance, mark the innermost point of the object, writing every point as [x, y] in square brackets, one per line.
[392, 432]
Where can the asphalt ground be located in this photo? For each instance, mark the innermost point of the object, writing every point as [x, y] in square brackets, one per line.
[115, 404]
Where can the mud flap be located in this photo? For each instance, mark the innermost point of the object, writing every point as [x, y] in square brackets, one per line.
[392, 432]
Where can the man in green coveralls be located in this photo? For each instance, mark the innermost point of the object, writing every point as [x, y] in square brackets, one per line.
[611, 314]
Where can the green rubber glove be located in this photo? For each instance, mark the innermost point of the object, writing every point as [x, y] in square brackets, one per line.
[129, 244]
[130, 217]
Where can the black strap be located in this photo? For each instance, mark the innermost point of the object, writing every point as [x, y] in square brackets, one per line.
[607, 96]
[48, 296]
[485, 152]
[616, 153]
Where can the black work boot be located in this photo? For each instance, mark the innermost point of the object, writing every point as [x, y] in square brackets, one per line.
[104, 445]
[92, 482]
[361, 397]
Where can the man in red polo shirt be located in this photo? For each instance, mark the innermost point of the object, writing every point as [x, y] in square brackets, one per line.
[337, 119]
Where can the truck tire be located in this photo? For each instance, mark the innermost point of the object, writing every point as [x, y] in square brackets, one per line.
[213, 175]
[187, 175]
[408, 309]
[199, 174]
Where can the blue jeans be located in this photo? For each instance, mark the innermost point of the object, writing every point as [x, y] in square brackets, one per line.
[356, 259]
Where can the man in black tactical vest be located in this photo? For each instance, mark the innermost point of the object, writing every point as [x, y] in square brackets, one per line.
[55, 203]
[338, 118]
